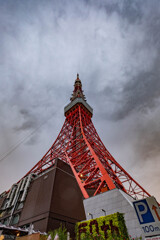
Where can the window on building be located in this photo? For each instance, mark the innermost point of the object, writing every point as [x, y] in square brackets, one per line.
[4, 205]
[9, 210]
[19, 206]
[15, 219]
[6, 221]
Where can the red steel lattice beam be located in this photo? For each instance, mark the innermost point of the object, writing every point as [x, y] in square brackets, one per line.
[94, 167]
[79, 145]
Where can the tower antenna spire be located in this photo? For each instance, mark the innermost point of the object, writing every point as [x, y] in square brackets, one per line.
[78, 92]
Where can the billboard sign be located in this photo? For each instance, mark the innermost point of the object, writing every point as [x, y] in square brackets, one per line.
[148, 213]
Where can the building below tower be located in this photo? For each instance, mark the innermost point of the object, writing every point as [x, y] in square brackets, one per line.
[46, 200]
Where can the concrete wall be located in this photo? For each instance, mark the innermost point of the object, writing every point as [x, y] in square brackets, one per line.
[114, 201]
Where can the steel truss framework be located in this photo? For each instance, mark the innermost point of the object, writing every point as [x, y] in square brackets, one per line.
[95, 169]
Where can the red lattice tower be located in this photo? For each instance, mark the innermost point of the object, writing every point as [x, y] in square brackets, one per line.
[79, 145]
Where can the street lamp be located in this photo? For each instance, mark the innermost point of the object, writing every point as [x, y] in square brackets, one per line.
[103, 211]
[90, 214]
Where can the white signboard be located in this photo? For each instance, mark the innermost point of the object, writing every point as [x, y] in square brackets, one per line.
[148, 213]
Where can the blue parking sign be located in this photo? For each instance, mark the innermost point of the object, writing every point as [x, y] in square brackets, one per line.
[148, 214]
[143, 211]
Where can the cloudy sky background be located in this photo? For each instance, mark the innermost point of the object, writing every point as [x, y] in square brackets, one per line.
[114, 46]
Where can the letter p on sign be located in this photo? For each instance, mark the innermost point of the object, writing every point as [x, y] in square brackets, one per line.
[143, 211]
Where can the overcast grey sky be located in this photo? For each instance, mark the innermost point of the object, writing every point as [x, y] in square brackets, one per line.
[114, 46]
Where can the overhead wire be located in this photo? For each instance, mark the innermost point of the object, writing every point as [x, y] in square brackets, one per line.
[12, 149]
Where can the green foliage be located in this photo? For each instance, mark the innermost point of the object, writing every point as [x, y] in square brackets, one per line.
[43, 237]
[111, 227]
[137, 238]
[61, 231]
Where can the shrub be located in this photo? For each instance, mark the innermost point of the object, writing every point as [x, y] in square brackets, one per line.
[61, 231]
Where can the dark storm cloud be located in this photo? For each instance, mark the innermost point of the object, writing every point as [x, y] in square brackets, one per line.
[29, 121]
[28, 124]
[132, 11]
[140, 94]
[141, 91]
[149, 139]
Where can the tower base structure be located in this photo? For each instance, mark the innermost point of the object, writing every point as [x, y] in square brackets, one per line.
[111, 202]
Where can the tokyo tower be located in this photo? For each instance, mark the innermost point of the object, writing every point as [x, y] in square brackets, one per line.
[79, 145]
